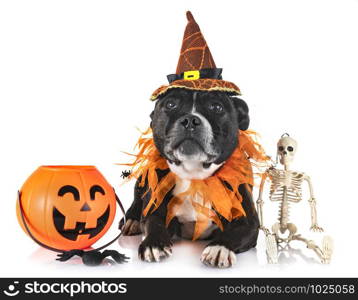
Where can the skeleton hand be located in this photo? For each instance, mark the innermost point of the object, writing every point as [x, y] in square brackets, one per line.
[265, 230]
[316, 228]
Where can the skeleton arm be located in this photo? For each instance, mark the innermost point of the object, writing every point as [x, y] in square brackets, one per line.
[260, 203]
[312, 202]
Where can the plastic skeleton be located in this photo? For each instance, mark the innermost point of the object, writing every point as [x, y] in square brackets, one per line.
[286, 188]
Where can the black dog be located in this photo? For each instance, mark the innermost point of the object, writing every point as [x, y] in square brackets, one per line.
[196, 132]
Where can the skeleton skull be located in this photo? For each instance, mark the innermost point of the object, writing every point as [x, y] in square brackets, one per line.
[286, 149]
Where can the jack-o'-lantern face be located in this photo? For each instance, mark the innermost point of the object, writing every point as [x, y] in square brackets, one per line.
[85, 221]
[68, 207]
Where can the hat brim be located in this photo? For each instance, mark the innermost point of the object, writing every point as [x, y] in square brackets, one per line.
[203, 84]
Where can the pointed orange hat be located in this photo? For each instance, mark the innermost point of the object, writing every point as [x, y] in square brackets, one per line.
[196, 68]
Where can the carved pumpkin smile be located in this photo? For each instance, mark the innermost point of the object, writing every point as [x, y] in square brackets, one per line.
[80, 229]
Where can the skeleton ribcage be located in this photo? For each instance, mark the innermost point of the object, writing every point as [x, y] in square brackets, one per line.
[285, 185]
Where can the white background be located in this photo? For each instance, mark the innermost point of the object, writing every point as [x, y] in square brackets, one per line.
[76, 76]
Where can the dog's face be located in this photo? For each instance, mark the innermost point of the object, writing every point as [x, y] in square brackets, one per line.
[196, 131]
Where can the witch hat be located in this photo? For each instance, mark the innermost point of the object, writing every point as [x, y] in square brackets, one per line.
[196, 68]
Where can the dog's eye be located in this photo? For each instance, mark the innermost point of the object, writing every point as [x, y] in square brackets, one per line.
[170, 105]
[216, 107]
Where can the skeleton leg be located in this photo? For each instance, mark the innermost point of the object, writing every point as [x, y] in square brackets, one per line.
[271, 248]
[325, 253]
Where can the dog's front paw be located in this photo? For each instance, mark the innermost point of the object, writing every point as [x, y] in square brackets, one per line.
[154, 250]
[218, 256]
[131, 227]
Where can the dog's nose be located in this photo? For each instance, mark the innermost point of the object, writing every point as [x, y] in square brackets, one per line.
[190, 122]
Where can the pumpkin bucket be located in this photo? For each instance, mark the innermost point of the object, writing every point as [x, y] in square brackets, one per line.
[66, 207]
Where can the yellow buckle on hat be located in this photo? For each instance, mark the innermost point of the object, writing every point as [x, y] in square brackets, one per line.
[191, 75]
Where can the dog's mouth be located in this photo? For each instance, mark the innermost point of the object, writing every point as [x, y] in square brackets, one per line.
[190, 149]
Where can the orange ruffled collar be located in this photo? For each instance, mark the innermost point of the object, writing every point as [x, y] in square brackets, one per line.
[210, 197]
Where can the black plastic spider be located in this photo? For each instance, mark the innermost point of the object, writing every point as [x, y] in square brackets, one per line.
[126, 174]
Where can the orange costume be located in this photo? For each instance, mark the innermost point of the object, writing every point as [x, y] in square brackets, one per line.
[219, 191]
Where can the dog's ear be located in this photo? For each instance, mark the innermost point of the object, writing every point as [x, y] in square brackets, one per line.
[151, 118]
[242, 113]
